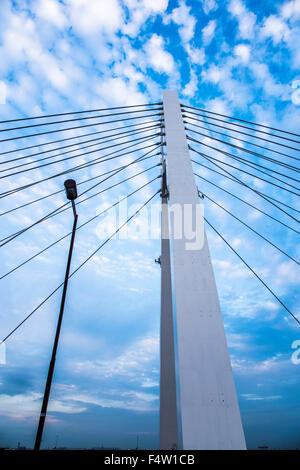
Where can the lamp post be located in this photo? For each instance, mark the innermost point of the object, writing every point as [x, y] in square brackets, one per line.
[71, 193]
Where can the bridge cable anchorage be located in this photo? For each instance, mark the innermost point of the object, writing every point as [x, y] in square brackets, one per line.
[266, 198]
[59, 210]
[251, 228]
[241, 183]
[251, 152]
[88, 164]
[79, 267]
[117, 136]
[42, 116]
[78, 127]
[82, 182]
[244, 133]
[154, 122]
[254, 144]
[241, 120]
[85, 223]
[252, 270]
[247, 203]
[244, 162]
[249, 128]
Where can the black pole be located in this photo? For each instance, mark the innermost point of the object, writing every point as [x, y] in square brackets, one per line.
[43, 413]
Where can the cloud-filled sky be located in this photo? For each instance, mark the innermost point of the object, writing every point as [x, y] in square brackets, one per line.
[239, 58]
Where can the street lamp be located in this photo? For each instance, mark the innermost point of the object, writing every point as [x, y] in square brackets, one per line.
[71, 193]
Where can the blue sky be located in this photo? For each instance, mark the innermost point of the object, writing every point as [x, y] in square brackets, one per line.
[234, 57]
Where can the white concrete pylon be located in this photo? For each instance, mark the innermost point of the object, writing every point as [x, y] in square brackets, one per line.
[208, 406]
[168, 426]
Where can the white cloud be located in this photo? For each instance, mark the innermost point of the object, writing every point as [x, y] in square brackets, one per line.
[105, 16]
[213, 74]
[275, 28]
[50, 11]
[287, 272]
[24, 44]
[267, 82]
[160, 60]
[218, 105]
[26, 405]
[130, 363]
[274, 363]
[131, 400]
[56, 75]
[235, 91]
[196, 55]
[20, 39]
[236, 242]
[232, 271]
[191, 87]
[149, 383]
[186, 22]
[246, 19]
[254, 215]
[140, 11]
[209, 5]
[254, 397]
[129, 72]
[296, 94]
[120, 91]
[157, 6]
[237, 341]
[269, 305]
[243, 52]
[3, 92]
[208, 32]
[291, 9]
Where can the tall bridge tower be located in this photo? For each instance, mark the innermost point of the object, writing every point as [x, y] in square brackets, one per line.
[198, 402]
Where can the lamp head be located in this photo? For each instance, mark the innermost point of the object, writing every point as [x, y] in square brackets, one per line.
[71, 189]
